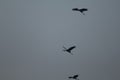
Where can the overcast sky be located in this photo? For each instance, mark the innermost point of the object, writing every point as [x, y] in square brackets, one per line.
[33, 33]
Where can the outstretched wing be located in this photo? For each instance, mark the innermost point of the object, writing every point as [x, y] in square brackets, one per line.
[84, 9]
[71, 48]
[70, 77]
[75, 9]
[75, 76]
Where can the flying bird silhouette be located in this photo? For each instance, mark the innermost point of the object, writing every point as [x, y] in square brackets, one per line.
[69, 49]
[81, 10]
[74, 77]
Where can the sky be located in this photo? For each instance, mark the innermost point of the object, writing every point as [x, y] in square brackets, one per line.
[33, 33]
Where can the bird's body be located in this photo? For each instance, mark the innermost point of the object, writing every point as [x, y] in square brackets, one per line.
[69, 49]
[81, 10]
[74, 77]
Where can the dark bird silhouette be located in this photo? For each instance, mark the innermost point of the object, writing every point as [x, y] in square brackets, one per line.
[81, 10]
[74, 77]
[69, 49]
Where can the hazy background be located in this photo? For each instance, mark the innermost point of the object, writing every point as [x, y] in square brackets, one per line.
[32, 33]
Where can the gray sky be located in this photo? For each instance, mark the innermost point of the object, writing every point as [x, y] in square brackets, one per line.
[32, 33]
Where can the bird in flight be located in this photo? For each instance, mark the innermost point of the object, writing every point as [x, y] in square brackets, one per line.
[74, 77]
[69, 49]
[81, 10]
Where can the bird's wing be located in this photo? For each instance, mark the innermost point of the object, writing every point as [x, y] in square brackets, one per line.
[85, 9]
[70, 77]
[75, 9]
[72, 47]
[75, 76]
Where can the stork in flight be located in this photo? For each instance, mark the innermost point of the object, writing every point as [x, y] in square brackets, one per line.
[69, 49]
[74, 77]
[81, 10]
